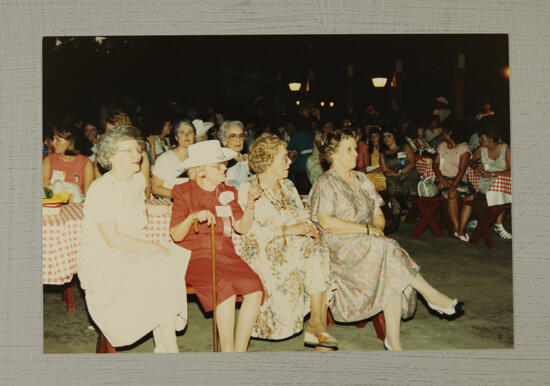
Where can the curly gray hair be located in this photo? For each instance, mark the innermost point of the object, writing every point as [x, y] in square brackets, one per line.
[108, 142]
[222, 132]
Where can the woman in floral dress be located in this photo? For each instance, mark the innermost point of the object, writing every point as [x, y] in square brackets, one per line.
[371, 272]
[283, 248]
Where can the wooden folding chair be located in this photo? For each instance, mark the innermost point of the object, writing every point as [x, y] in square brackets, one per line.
[428, 207]
[486, 216]
[378, 321]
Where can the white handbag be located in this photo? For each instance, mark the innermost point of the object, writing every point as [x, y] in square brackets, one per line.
[427, 187]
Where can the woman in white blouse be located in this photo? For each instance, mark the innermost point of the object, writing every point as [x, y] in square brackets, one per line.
[167, 168]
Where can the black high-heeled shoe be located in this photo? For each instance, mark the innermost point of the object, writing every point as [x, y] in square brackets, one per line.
[454, 311]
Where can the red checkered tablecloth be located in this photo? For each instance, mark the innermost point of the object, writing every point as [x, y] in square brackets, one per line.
[61, 239]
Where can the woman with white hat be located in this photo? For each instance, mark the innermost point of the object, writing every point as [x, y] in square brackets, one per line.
[207, 200]
[168, 166]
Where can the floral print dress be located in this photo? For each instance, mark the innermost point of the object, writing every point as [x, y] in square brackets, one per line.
[290, 267]
[368, 271]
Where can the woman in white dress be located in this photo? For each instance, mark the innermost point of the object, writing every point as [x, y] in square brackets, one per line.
[167, 168]
[132, 285]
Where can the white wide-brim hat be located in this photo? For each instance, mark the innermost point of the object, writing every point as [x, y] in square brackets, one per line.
[207, 153]
[202, 127]
[442, 99]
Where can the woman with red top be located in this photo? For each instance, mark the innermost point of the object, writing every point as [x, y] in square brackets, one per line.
[208, 200]
[65, 163]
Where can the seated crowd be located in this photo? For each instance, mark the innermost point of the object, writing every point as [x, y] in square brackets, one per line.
[295, 260]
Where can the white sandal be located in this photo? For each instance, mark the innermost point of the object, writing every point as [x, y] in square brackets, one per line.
[463, 237]
[503, 233]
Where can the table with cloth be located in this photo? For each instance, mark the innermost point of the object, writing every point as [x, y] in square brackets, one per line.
[61, 242]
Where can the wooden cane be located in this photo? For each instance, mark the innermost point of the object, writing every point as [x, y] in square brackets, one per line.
[215, 327]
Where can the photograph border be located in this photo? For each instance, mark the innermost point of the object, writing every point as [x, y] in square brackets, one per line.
[24, 25]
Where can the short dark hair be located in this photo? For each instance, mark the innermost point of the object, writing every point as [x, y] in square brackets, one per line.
[399, 140]
[333, 140]
[490, 130]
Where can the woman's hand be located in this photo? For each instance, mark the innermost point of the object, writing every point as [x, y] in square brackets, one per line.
[451, 193]
[444, 182]
[254, 192]
[302, 229]
[204, 215]
[375, 231]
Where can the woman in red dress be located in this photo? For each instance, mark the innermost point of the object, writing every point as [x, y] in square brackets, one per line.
[208, 200]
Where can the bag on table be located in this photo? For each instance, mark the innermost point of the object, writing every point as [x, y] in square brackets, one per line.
[427, 187]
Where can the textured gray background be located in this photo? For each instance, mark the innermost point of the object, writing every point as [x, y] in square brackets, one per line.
[23, 25]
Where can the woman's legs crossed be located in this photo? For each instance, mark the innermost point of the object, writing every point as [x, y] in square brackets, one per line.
[429, 293]
[392, 316]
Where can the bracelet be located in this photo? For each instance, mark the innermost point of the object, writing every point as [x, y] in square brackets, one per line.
[368, 229]
[248, 207]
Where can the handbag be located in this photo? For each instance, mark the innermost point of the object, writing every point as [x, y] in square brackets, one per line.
[427, 187]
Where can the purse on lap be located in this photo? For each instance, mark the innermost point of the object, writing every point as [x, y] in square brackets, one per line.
[427, 187]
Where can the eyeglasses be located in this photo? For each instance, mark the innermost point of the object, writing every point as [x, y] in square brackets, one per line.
[235, 136]
[136, 150]
[184, 133]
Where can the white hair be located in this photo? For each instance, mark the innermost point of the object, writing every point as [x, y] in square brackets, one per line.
[222, 132]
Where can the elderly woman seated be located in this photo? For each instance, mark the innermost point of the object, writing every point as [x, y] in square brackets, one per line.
[132, 285]
[208, 201]
[168, 166]
[120, 118]
[372, 273]
[283, 248]
[231, 134]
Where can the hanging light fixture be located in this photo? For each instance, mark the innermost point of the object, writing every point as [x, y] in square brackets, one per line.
[294, 86]
[331, 104]
[297, 103]
[379, 81]
[322, 104]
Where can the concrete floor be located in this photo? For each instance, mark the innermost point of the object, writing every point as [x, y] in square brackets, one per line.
[479, 277]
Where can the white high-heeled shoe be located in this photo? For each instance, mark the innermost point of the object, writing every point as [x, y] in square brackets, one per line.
[447, 311]
[387, 344]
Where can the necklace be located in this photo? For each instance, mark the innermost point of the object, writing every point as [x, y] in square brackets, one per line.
[281, 205]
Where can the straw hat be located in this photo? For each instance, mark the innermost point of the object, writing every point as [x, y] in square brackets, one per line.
[207, 153]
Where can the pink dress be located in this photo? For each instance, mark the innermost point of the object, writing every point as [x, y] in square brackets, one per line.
[368, 271]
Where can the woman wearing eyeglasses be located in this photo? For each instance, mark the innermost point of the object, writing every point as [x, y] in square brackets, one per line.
[132, 285]
[231, 135]
[207, 200]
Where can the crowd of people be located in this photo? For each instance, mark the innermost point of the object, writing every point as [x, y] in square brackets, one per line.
[251, 179]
